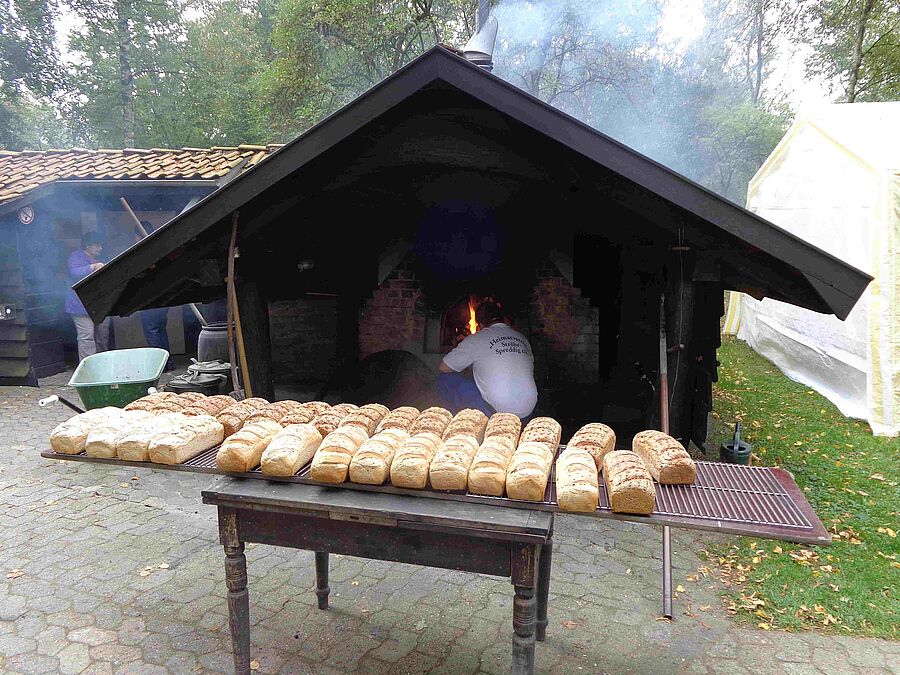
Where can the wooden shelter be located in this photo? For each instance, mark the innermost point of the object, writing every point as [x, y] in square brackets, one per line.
[483, 188]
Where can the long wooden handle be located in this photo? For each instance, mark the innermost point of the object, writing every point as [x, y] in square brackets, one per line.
[140, 226]
[242, 352]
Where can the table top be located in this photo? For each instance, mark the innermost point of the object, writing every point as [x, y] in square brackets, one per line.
[331, 502]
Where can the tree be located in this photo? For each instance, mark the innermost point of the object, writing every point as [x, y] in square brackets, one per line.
[326, 53]
[855, 43]
[129, 70]
[30, 74]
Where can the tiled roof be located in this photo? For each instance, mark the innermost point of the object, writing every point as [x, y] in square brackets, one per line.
[23, 171]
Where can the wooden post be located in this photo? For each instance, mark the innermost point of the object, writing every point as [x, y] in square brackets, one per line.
[680, 292]
[257, 340]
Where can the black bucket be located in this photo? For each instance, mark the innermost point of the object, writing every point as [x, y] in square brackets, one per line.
[736, 451]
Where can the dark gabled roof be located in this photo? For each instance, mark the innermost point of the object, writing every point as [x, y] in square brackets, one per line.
[778, 264]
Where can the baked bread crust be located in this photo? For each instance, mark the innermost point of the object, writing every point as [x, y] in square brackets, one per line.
[398, 418]
[409, 468]
[487, 473]
[595, 437]
[69, 437]
[371, 463]
[577, 481]
[665, 457]
[235, 416]
[242, 450]
[529, 470]
[210, 405]
[467, 422]
[331, 463]
[628, 483]
[290, 450]
[101, 440]
[147, 402]
[133, 444]
[449, 469]
[185, 440]
[543, 430]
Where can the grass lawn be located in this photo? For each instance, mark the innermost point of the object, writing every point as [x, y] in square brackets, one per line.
[850, 478]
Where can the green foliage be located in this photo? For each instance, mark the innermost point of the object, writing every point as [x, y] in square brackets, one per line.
[326, 53]
[856, 43]
[850, 478]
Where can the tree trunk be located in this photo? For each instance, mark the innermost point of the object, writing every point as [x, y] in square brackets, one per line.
[126, 76]
[856, 58]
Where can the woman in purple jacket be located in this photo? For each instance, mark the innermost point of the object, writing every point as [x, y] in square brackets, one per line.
[92, 338]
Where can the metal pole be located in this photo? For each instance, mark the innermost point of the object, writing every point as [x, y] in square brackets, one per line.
[664, 427]
[484, 9]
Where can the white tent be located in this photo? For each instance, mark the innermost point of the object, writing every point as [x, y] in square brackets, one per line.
[834, 180]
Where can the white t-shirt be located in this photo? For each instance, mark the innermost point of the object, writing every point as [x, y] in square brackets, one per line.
[503, 367]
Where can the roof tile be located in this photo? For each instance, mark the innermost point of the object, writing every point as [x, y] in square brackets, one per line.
[23, 171]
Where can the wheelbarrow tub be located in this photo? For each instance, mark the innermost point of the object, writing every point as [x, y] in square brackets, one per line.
[118, 377]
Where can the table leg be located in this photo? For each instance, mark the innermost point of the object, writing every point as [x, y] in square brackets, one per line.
[543, 589]
[524, 609]
[238, 606]
[322, 589]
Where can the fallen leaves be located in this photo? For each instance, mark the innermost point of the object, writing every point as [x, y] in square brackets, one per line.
[569, 624]
[254, 664]
[888, 531]
[147, 571]
[15, 573]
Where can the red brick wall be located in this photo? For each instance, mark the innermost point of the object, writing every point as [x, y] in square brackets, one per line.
[565, 331]
[394, 317]
[562, 325]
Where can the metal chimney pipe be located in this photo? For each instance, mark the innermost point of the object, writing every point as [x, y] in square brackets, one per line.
[480, 47]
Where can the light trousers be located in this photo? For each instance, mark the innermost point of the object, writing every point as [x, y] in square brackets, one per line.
[92, 338]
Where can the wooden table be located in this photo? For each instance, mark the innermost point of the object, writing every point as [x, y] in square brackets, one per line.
[505, 542]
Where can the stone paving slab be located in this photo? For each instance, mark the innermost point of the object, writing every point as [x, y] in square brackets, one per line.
[120, 571]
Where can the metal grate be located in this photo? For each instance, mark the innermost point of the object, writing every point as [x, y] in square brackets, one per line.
[729, 493]
[734, 498]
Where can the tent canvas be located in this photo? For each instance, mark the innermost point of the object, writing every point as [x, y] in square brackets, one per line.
[834, 180]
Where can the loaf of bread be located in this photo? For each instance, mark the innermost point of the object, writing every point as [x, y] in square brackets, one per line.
[101, 441]
[327, 421]
[529, 470]
[467, 422]
[595, 437]
[365, 417]
[147, 402]
[487, 474]
[193, 435]
[450, 467]
[345, 408]
[316, 406]
[504, 424]
[577, 483]
[133, 444]
[666, 459]
[242, 450]
[331, 462]
[409, 468]
[168, 405]
[210, 405]
[302, 415]
[290, 450]
[543, 430]
[69, 437]
[398, 418]
[628, 483]
[274, 411]
[371, 464]
[434, 420]
[235, 416]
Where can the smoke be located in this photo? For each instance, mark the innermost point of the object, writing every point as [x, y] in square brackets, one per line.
[611, 65]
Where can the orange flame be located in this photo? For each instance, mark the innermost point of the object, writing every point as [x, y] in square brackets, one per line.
[473, 325]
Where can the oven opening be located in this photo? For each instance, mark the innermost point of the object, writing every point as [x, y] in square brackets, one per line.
[458, 320]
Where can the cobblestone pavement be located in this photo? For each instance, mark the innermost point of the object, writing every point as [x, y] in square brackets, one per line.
[114, 570]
